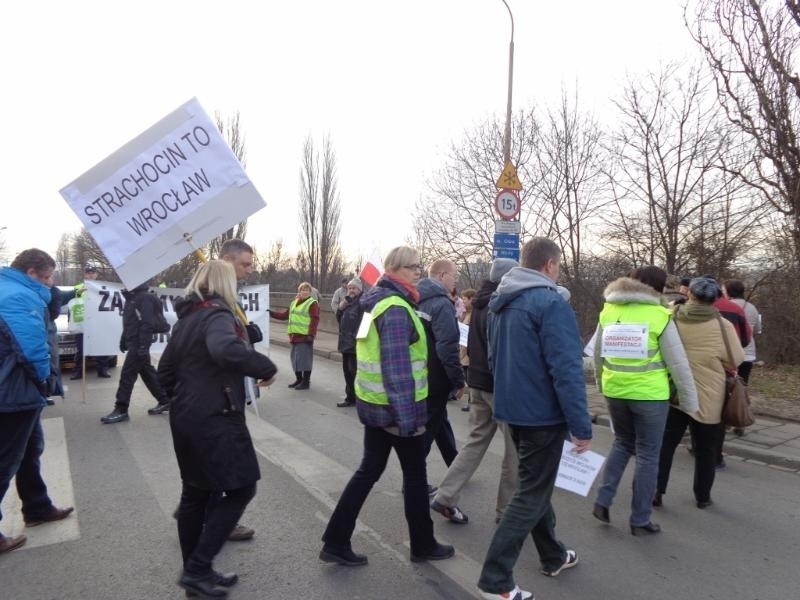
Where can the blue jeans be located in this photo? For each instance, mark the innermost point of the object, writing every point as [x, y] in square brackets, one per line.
[638, 431]
[378, 444]
[21, 446]
[530, 510]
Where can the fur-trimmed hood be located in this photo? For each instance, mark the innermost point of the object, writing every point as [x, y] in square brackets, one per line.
[631, 291]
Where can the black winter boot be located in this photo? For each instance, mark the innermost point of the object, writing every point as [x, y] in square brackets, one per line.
[306, 382]
[298, 380]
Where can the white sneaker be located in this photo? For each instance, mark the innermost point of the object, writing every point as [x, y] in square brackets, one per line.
[570, 561]
[515, 594]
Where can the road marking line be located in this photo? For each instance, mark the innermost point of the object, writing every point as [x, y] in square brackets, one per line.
[56, 474]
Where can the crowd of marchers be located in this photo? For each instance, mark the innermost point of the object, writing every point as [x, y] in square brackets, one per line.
[410, 344]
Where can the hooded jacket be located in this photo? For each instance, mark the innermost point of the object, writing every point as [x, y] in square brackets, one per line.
[137, 319]
[349, 319]
[631, 292]
[203, 369]
[438, 315]
[24, 349]
[535, 353]
[478, 373]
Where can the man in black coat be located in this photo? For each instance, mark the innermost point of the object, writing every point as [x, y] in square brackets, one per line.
[137, 336]
[348, 314]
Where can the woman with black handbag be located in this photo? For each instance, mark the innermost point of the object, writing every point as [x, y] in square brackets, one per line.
[701, 329]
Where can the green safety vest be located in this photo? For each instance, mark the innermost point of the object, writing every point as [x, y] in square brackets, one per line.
[633, 378]
[300, 316]
[369, 377]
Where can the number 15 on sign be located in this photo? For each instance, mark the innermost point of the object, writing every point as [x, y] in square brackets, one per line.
[507, 204]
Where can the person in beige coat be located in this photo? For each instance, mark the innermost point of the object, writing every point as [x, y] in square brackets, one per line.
[701, 329]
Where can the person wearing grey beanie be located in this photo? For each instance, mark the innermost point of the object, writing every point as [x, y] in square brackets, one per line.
[501, 266]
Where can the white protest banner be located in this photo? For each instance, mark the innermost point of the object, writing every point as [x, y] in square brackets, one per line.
[102, 326]
[577, 472]
[171, 189]
[621, 340]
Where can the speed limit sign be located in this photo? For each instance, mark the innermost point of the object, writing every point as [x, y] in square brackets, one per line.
[507, 204]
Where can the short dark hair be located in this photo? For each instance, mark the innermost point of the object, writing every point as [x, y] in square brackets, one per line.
[735, 288]
[233, 247]
[653, 276]
[537, 251]
[33, 258]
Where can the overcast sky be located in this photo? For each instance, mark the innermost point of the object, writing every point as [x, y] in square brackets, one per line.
[392, 83]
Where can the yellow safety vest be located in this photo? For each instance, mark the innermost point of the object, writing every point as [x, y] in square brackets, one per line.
[300, 316]
[634, 378]
[369, 376]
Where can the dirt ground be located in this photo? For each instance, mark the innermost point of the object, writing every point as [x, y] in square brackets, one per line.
[775, 391]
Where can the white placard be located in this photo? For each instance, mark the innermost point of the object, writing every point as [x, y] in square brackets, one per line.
[170, 190]
[588, 349]
[102, 325]
[577, 472]
[463, 332]
[624, 341]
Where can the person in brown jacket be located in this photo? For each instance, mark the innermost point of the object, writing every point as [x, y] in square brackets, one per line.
[701, 329]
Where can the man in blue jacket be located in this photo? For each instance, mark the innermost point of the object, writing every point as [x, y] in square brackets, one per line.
[539, 390]
[24, 371]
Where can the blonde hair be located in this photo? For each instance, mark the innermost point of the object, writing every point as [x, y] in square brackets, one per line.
[216, 277]
[400, 257]
[304, 286]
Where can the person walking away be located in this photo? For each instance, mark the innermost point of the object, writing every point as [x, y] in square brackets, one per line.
[543, 399]
[24, 372]
[734, 291]
[734, 313]
[348, 315]
[303, 318]
[137, 337]
[481, 418]
[77, 315]
[445, 375]
[635, 380]
[701, 329]
[340, 294]
[391, 387]
[466, 297]
[203, 369]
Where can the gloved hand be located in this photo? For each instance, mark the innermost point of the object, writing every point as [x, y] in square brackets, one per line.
[254, 333]
[123, 347]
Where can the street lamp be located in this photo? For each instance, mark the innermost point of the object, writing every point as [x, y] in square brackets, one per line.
[507, 140]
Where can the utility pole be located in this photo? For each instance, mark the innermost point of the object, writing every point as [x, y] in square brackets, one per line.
[507, 140]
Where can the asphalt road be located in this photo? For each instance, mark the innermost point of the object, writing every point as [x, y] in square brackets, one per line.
[122, 541]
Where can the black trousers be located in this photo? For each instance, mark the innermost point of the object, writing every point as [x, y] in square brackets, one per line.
[439, 429]
[378, 444]
[705, 440]
[133, 367]
[204, 526]
[349, 367]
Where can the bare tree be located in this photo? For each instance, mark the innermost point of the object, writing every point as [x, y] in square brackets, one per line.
[232, 133]
[751, 47]
[667, 185]
[457, 218]
[320, 211]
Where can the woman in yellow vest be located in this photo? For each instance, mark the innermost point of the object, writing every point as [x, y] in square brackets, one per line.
[303, 317]
[391, 387]
[637, 351]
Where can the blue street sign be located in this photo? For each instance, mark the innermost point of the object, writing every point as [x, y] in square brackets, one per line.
[506, 253]
[506, 240]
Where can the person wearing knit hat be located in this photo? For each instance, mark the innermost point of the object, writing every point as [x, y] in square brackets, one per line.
[348, 315]
[501, 266]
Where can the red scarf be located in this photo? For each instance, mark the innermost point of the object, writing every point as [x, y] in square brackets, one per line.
[413, 292]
